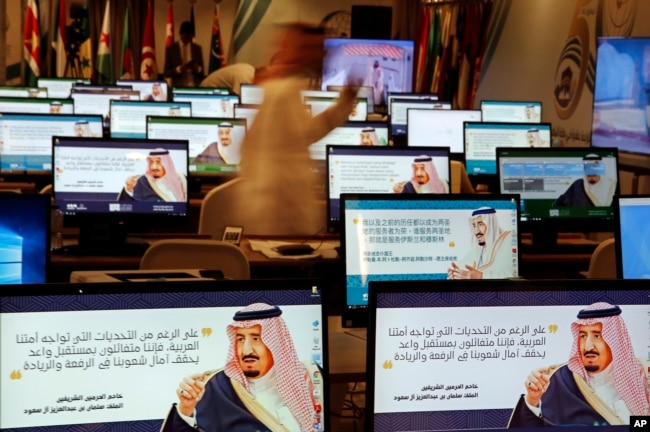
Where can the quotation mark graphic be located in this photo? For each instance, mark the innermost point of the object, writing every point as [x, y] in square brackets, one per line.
[388, 364]
[206, 331]
[452, 244]
[552, 328]
[355, 220]
[15, 375]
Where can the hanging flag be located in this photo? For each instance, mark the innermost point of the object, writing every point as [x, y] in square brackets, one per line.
[59, 54]
[217, 59]
[86, 47]
[32, 44]
[148, 68]
[169, 28]
[126, 72]
[104, 64]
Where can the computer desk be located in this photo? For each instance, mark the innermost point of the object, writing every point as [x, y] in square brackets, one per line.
[533, 265]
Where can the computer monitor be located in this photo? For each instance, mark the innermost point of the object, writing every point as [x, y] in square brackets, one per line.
[319, 93]
[111, 356]
[482, 139]
[251, 94]
[97, 99]
[404, 95]
[364, 92]
[427, 127]
[111, 187]
[319, 104]
[458, 355]
[416, 236]
[200, 90]
[209, 105]
[364, 169]
[620, 108]
[562, 189]
[23, 92]
[246, 111]
[349, 133]
[27, 142]
[25, 238]
[399, 110]
[384, 65]
[214, 143]
[632, 236]
[511, 111]
[129, 118]
[60, 87]
[150, 91]
[36, 105]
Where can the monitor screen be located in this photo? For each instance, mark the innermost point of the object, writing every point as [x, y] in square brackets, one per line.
[363, 169]
[248, 112]
[319, 93]
[200, 90]
[427, 127]
[318, 104]
[111, 187]
[415, 236]
[150, 91]
[364, 92]
[511, 111]
[482, 139]
[351, 133]
[399, 111]
[36, 105]
[561, 188]
[60, 87]
[403, 95]
[27, 138]
[215, 143]
[209, 105]
[632, 236]
[129, 118]
[507, 355]
[251, 94]
[25, 238]
[384, 65]
[112, 356]
[23, 92]
[620, 115]
[88, 100]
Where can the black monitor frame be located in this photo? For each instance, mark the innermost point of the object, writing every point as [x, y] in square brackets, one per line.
[545, 231]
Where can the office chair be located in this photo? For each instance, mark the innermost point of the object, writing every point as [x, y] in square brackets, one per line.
[460, 182]
[603, 261]
[197, 254]
[214, 217]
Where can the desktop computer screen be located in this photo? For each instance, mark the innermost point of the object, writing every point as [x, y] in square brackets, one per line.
[493, 355]
[511, 111]
[318, 104]
[562, 189]
[214, 143]
[209, 105]
[36, 105]
[27, 139]
[435, 127]
[364, 169]
[632, 236]
[111, 356]
[60, 87]
[251, 94]
[111, 187]
[399, 109]
[482, 139]
[25, 238]
[129, 118]
[425, 236]
[150, 91]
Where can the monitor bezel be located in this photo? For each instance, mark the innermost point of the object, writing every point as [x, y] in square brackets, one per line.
[357, 316]
[334, 225]
[546, 230]
[501, 288]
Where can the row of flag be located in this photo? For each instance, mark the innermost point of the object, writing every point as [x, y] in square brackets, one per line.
[72, 45]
